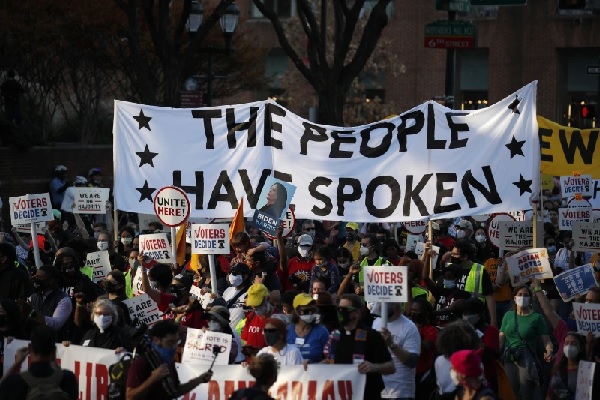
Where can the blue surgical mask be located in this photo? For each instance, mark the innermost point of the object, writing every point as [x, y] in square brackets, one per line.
[449, 283]
[166, 354]
[551, 249]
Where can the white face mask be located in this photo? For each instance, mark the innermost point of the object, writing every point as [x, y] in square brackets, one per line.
[522, 301]
[304, 252]
[310, 319]
[102, 246]
[454, 377]
[364, 250]
[235, 280]
[344, 265]
[471, 319]
[480, 238]
[214, 326]
[570, 351]
[461, 234]
[102, 321]
[126, 240]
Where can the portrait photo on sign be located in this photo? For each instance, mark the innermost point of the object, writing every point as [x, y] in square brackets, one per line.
[275, 198]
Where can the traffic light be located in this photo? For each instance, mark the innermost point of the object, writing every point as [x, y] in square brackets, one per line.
[587, 111]
[571, 4]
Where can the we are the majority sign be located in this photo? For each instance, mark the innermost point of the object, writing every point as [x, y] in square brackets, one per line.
[428, 162]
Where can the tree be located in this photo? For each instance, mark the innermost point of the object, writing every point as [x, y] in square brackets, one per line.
[330, 70]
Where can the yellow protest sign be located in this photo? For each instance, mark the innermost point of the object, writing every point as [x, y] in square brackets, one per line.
[547, 181]
[564, 149]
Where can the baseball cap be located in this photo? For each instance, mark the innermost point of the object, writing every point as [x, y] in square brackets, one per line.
[464, 224]
[220, 313]
[302, 299]
[352, 225]
[80, 180]
[240, 269]
[256, 294]
[184, 280]
[467, 362]
[305, 240]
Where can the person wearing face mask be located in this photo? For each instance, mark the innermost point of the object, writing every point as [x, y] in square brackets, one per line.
[235, 294]
[325, 269]
[306, 331]
[252, 333]
[218, 321]
[300, 267]
[352, 240]
[392, 252]
[114, 285]
[275, 338]
[421, 314]
[153, 375]
[105, 242]
[484, 250]
[164, 297]
[355, 343]
[563, 380]
[521, 330]
[466, 375]
[449, 299]
[344, 259]
[125, 241]
[370, 250]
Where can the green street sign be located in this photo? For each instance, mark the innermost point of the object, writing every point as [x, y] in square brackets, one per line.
[450, 28]
[498, 2]
[459, 5]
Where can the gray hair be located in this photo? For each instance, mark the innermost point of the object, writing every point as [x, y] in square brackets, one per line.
[111, 307]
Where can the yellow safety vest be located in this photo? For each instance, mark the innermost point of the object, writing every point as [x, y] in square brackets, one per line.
[365, 263]
[88, 271]
[474, 281]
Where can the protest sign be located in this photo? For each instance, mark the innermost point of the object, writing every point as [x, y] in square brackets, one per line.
[575, 282]
[585, 380]
[199, 347]
[136, 284]
[587, 317]
[568, 215]
[341, 173]
[143, 309]
[171, 206]
[416, 227]
[514, 235]
[493, 227]
[572, 185]
[275, 199]
[527, 264]
[288, 223]
[203, 298]
[156, 247]
[319, 381]
[411, 241]
[30, 208]
[41, 228]
[586, 236]
[90, 200]
[100, 261]
[386, 284]
[210, 239]
[420, 248]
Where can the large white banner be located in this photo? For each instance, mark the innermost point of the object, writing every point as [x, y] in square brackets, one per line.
[430, 161]
[90, 365]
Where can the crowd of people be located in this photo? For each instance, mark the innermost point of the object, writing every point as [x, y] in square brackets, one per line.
[464, 333]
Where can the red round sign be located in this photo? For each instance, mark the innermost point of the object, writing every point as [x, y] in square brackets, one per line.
[171, 206]
[289, 223]
[493, 227]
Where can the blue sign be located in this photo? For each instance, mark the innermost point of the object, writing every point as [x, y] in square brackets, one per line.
[575, 282]
[274, 201]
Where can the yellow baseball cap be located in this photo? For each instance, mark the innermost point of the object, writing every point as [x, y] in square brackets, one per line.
[256, 294]
[302, 299]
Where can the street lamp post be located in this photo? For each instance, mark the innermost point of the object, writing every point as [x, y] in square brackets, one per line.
[228, 21]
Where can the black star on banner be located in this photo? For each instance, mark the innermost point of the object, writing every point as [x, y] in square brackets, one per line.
[143, 121]
[146, 156]
[516, 147]
[145, 192]
[523, 184]
[514, 105]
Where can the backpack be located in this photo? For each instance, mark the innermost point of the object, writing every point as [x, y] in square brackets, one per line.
[117, 373]
[47, 388]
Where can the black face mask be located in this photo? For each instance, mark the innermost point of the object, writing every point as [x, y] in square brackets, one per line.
[350, 237]
[38, 285]
[455, 260]
[417, 318]
[111, 287]
[271, 338]
[344, 316]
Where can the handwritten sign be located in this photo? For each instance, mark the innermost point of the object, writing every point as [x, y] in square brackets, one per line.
[420, 248]
[575, 282]
[90, 200]
[568, 215]
[585, 380]
[586, 236]
[587, 317]
[171, 206]
[210, 239]
[572, 185]
[143, 310]
[30, 208]
[386, 284]
[156, 246]
[100, 261]
[136, 284]
[528, 264]
[201, 346]
[515, 235]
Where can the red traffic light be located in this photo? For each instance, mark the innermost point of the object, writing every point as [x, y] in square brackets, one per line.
[587, 111]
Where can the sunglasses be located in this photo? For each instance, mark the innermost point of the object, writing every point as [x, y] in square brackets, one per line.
[271, 330]
[308, 311]
[342, 309]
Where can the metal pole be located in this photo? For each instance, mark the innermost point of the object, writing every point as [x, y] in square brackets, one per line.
[174, 244]
[36, 247]
[213, 273]
[384, 314]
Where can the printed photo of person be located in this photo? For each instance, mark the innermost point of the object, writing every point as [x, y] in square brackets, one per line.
[276, 201]
[272, 205]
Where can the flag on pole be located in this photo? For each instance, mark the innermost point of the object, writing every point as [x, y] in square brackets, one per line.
[181, 242]
[237, 224]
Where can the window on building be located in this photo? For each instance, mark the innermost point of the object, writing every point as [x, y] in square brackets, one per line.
[283, 8]
[473, 79]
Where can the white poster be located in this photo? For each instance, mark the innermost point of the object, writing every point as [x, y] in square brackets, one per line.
[420, 248]
[567, 216]
[136, 284]
[454, 162]
[514, 235]
[528, 264]
[586, 236]
[202, 346]
[90, 200]
[386, 284]
[210, 239]
[100, 261]
[585, 380]
[411, 241]
[204, 299]
[157, 247]
[572, 185]
[587, 317]
[30, 208]
[143, 310]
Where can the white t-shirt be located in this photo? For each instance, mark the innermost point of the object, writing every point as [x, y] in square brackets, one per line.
[442, 372]
[68, 199]
[289, 355]
[236, 311]
[406, 335]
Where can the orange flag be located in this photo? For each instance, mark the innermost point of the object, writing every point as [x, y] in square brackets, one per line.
[181, 242]
[237, 225]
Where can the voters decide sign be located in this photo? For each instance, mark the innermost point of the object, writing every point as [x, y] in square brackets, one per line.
[30, 208]
[572, 185]
[210, 239]
[171, 206]
[386, 284]
[454, 162]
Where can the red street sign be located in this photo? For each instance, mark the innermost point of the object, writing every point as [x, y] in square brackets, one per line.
[449, 42]
[191, 99]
